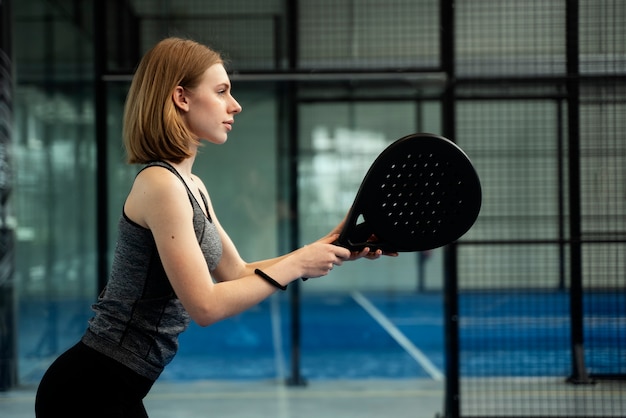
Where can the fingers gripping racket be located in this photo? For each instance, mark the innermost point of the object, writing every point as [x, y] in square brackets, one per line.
[421, 192]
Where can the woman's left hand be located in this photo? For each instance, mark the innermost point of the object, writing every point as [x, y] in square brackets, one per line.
[367, 252]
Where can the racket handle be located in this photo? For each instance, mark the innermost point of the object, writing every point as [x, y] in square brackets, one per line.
[359, 246]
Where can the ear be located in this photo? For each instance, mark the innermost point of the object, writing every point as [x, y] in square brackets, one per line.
[179, 96]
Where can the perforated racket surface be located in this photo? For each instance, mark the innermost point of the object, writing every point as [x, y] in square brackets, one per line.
[421, 192]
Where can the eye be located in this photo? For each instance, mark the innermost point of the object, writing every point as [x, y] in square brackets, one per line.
[222, 89]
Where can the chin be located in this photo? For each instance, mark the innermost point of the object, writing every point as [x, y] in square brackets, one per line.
[216, 141]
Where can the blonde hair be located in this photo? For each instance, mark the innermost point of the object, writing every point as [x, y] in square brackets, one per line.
[153, 126]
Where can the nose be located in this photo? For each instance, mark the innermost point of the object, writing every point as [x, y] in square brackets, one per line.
[235, 106]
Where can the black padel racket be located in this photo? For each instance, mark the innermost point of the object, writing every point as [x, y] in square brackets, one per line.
[421, 192]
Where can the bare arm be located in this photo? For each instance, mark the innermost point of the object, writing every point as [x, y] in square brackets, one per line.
[159, 202]
[233, 267]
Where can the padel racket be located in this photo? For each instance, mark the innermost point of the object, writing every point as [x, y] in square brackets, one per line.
[421, 192]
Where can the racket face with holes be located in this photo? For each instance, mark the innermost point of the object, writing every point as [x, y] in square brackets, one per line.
[421, 192]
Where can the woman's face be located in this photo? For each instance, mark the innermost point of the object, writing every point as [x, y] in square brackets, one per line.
[211, 107]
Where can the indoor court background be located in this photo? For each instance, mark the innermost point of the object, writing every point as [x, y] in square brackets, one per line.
[525, 316]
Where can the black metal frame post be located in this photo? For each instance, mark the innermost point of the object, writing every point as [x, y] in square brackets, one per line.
[296, 378]
[451, 304]
[291, 120]
[8, 326]
[579, 371]
[101, 134]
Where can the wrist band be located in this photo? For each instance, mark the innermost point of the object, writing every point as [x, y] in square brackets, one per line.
[269, 279]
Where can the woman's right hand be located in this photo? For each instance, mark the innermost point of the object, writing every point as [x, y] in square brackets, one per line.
[319, 258]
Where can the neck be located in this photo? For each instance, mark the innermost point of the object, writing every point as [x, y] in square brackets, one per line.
[184, 167]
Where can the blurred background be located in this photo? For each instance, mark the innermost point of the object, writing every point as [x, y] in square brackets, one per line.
[524, 316]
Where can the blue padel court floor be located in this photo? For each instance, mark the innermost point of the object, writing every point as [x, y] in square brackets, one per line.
[362, 335]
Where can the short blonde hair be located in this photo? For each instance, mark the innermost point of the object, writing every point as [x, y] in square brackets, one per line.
[153, 125]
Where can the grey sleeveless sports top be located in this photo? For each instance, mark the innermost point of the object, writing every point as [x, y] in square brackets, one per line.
[137, 316]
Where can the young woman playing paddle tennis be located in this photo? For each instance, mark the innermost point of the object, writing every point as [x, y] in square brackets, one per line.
[173, 262]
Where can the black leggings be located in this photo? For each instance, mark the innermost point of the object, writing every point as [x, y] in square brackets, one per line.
[85, 383]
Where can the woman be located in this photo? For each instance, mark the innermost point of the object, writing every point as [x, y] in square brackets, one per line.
[173, 261]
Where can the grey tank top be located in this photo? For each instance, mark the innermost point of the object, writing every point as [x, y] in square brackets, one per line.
[138, 317]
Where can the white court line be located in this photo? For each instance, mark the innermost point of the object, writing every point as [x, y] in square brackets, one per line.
[277, 338]
[397, 335]
[279, 358]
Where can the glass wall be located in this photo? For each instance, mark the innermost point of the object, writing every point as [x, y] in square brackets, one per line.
[358, 75]
[339, 140]
[54, 191]
[55, 144]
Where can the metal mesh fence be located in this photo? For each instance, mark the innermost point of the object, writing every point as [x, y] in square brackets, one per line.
[530, 343]
[539, 104]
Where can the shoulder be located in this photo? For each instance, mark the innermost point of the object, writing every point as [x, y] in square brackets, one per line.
[156, 189]
[157, 175]
[158, 182]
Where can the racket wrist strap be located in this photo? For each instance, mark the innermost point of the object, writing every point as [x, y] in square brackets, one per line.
[268, 279]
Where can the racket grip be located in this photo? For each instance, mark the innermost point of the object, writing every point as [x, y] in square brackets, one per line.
[359, 246]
